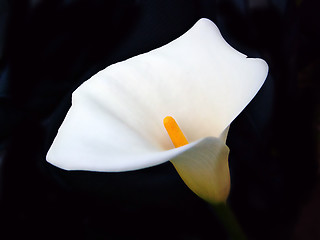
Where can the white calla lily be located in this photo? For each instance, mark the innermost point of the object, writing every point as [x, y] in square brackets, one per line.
[115, 122]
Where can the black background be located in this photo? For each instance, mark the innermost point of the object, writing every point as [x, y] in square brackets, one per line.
[48, 48]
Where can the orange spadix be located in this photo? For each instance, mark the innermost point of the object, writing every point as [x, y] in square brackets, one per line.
[177, 137]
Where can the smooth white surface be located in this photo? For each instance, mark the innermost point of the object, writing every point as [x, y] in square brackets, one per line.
[205, 169]
[115, 122]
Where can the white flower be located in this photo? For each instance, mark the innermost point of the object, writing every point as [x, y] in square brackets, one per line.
[116, 119]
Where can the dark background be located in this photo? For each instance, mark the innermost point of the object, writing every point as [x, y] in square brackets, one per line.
[48, 48]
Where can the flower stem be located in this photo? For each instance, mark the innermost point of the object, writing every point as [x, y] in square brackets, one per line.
[227, 218]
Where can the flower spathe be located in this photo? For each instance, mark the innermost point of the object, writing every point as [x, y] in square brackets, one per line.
[115, 122]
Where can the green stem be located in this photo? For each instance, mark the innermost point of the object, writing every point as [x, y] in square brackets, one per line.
[227, 218]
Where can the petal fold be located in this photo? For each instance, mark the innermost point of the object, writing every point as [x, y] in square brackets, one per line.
[204, 169]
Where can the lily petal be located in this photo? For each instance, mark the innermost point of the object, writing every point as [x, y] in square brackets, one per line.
[205, 170]
[115, 122]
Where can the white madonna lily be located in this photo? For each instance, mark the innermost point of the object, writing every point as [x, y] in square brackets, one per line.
[116, 119]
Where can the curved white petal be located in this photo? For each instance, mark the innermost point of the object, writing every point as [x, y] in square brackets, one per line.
[115, 122]
[205, 170]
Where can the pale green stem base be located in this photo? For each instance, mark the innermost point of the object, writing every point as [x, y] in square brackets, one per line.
[227, 218]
